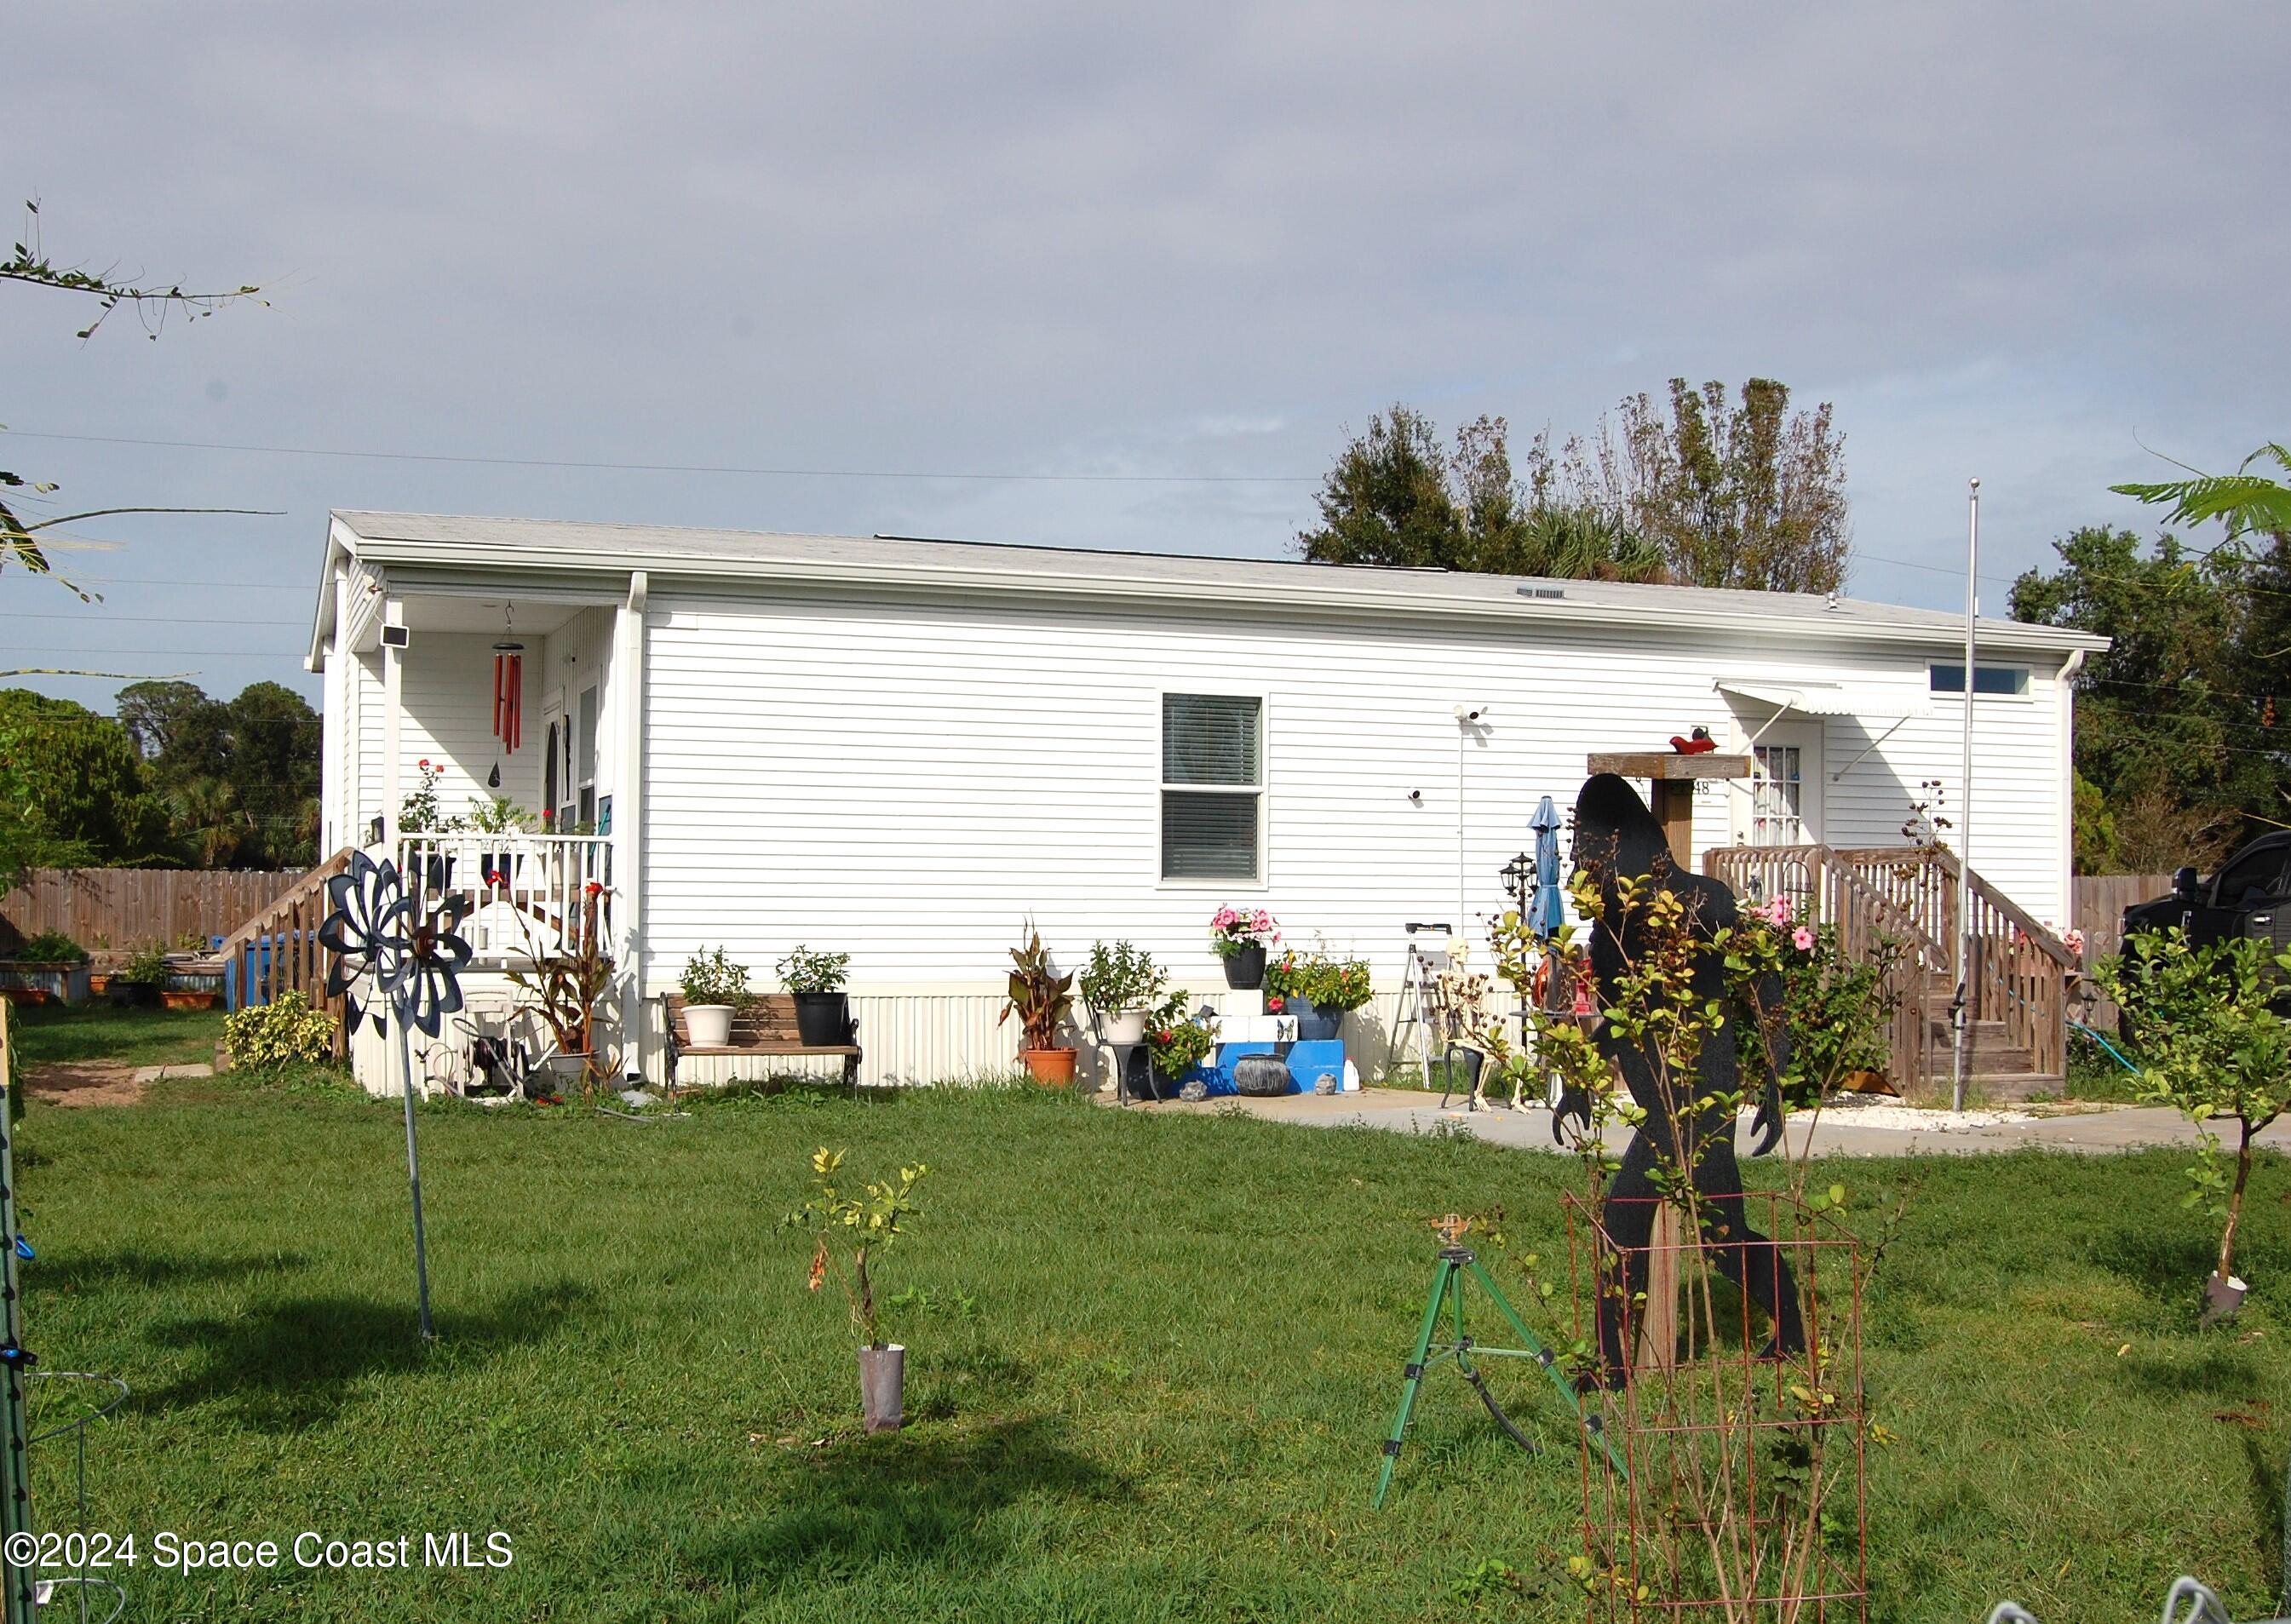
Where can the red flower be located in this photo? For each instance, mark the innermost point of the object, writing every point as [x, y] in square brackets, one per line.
[1274, 1006]
[593, 889]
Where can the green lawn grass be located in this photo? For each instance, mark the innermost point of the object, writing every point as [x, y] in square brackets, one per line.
[1151, 1364]
[133, 1037]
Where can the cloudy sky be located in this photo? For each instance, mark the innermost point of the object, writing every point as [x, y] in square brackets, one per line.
[1190, 247]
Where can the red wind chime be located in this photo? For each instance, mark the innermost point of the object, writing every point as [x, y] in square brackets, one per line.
[509, 689]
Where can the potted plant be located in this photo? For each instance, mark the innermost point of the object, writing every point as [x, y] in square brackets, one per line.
[1042, 1000]
[1180, 1039]
[1320, 990]
[715, 992]
[823, 1013]
[565, 979]
[868, 1221]
[143, 978]
[1241, 936]
[1121, 984]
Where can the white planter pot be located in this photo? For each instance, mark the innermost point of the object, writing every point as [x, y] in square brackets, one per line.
[1128, 1026]
[708, 1025]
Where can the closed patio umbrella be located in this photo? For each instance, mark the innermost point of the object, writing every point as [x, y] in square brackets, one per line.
[1546, 912]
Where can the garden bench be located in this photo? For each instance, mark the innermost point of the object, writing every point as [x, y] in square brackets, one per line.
[766, 1026]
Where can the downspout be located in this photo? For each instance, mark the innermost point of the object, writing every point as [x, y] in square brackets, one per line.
[628, 828]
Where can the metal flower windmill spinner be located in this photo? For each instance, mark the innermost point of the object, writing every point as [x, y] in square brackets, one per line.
[390, 955]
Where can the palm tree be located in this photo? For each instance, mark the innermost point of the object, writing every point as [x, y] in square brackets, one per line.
[2242, 501]
[209, 820]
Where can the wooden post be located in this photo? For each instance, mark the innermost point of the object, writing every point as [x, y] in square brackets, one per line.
[1672, 777]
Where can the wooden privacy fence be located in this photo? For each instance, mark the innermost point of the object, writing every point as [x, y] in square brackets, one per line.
[2096, 908]
[123, 909]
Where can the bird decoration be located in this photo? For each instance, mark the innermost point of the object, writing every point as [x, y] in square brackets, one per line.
[1695, 744]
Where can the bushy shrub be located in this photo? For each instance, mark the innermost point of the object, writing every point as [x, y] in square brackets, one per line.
[286, 1032]
[50, 947]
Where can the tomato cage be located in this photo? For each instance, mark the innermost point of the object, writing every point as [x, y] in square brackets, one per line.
[76, 1562]
[1741, 1422]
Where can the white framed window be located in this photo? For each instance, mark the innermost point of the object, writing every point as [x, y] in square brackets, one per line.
[1213, 787]
[1781, 804]
[2011, 681]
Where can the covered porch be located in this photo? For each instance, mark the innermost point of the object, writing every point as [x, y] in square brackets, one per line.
[490, 744]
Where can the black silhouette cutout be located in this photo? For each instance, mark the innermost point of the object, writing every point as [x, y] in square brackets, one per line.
[1615, 836]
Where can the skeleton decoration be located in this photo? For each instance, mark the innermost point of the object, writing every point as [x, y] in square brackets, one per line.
[393, 958]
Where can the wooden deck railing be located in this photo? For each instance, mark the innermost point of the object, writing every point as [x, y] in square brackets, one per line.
[278, 950]
[2020, 971]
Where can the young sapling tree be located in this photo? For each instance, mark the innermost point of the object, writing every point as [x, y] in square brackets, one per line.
[2214, 1025]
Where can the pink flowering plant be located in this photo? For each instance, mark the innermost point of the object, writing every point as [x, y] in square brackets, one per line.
[1233, 930]
[1836, 1007]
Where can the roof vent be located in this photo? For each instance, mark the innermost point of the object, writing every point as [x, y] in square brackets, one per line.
[1543, 592]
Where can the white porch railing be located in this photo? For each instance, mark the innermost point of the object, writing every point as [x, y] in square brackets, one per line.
[520, 891]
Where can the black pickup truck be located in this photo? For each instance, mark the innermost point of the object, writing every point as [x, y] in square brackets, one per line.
[2250, 895]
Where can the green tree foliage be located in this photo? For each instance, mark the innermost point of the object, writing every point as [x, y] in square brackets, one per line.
[1396, 498]
[2246, 503]
[2215, 1044]
[73, 789]
[1709, 493]
[2179, 748]
[239, 777]
[1749, 494]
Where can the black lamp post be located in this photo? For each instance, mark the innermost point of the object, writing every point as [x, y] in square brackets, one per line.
[1518, 877]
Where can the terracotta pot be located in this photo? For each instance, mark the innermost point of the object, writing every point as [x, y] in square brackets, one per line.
[189, 998]
[1051, 1067]
[882, 1383]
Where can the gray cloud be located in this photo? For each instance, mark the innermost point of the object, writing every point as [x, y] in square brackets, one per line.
[1021, 238]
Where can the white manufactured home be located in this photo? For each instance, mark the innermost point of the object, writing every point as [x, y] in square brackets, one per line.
[906, 750]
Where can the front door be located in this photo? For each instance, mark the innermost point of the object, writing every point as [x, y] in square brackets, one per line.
[1784, 804]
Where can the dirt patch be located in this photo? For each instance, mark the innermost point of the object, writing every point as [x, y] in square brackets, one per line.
[84, 1083]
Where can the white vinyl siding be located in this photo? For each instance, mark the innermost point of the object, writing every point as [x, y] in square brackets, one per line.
[911, 780]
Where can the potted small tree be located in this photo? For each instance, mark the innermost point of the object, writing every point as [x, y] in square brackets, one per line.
[142, 980]
[822, 1012]
[1121, 984]
[715, 992]
[1240, 937]
[2215, 1044]
[868, 1221]
[1042, 1000]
